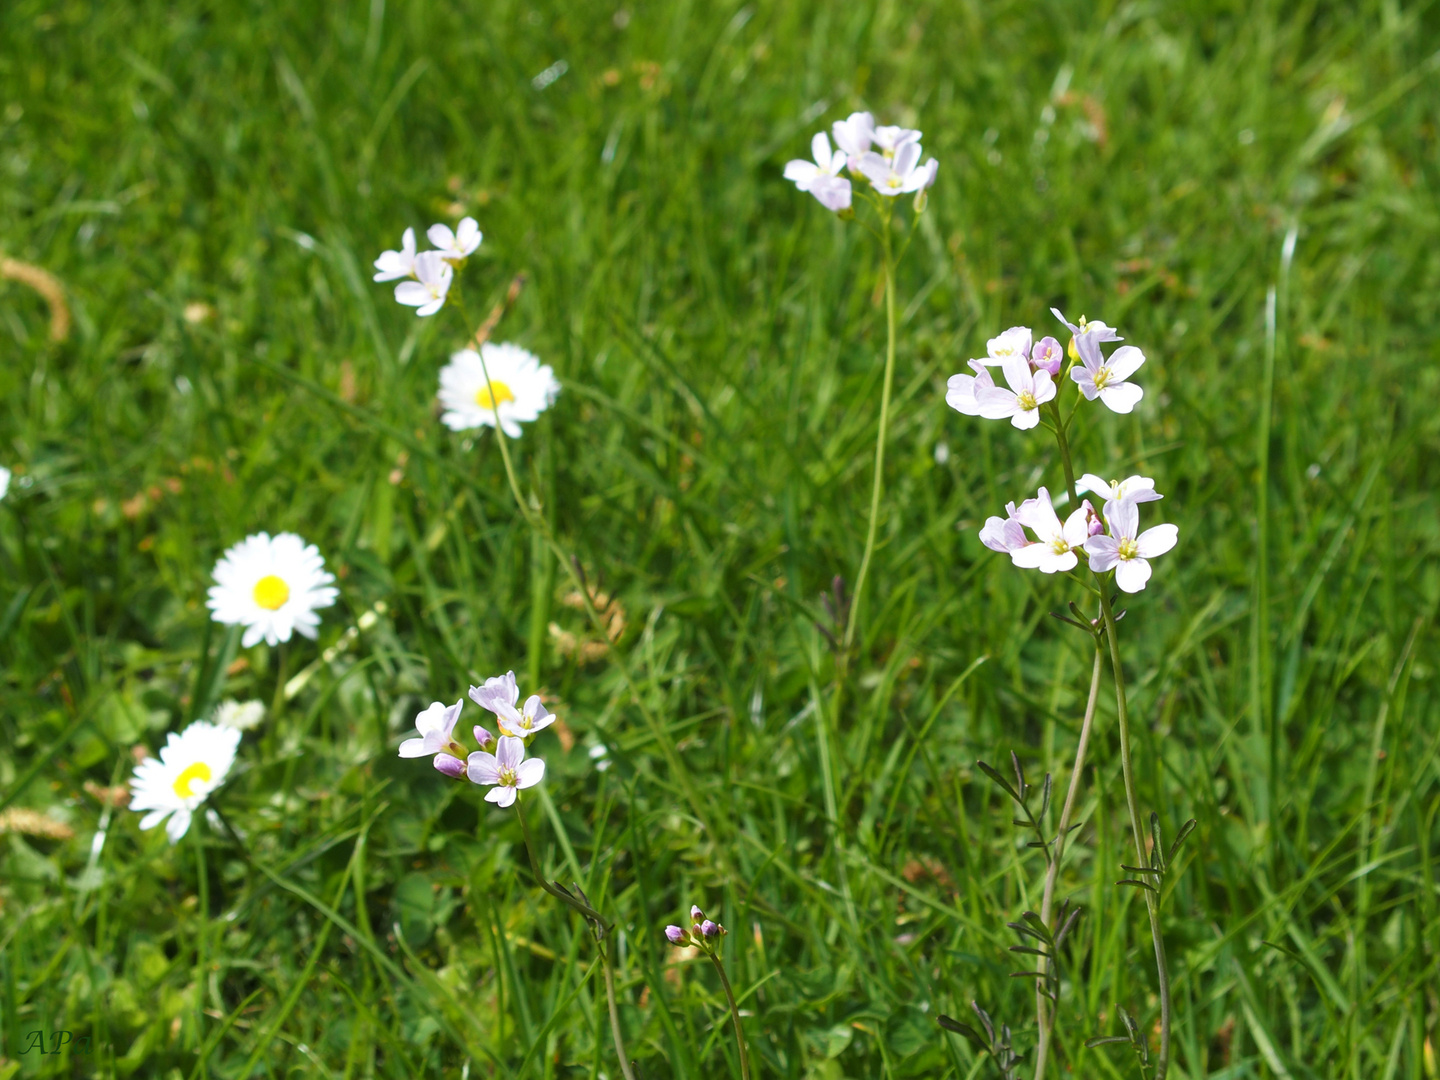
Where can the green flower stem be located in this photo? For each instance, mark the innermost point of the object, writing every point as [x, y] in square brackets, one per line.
[601, 930]
[881, 434]
[734, 1014]
[202, 914]
[1044, 1017]
[1152, 899]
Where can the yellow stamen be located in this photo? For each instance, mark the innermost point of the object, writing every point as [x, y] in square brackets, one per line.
[502, 393]
[1102, 377]
[197, 771]
[271, 593]
[1026, 400]
[507, 777]
[1128, 548]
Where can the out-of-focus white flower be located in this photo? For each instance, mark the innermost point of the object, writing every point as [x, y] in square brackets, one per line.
[854, 135]
[891, 137]
[1055, 551]
[1106, 378]
[506, 770]
[427, 293]
[397, 264]
[458, 244]
[240, 715]
[962, 391]
[1014, 342]
[271, 586]
[436, 726]
[900, 174]
[600, 755]
[518, 390]
[192, 763]
[1021, 403]
[1126, 549]
[1138, 489]
[500, 695]
[821, 177]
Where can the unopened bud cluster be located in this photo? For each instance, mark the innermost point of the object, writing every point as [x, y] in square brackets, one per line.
[703, 933]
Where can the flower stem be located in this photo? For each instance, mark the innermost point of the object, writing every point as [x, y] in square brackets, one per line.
[1063, 440]
[881, 434]
[1044, 1017]
[734, 1016]
[598, 926]
[1152, 899]
[202, 914]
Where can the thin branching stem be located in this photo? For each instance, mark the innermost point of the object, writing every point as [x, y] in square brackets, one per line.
[1044, 1011]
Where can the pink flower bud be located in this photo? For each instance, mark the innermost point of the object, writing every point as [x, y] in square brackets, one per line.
[711, 929]
[1094, 524]
[451, 766]
[676, 935]
[1047, 354]
[696, 915]
[483, 737]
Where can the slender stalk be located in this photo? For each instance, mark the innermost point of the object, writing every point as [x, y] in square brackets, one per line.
[201, 961]
[881, 433]
[282, 654]
[1152, 899]
[601, 930]
[1045, 1019]
[734, 1016]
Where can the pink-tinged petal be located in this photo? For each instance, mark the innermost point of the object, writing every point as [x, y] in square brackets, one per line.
[906, 158]
[1044, 386]
[1025, 419]
[832, 192]
[995, 403]
[441, 237]
[996, 534]
[412, 294]
[1085, 381]
[1039, 514]
[482, 737]
[1132, 574]
[413, 748]
[1124, 518]
[1068, 324]
[1124, 362]
[482, 768]
[498, 693]
[820, 150]
[1077, 527]
[960, 395]
[1017, 373]
[1121, 397]
[501, 796]
[1053, 563]
[1031, 556]
[1104, 552]
[510, 751]
[1093, 485]
[1157, 541]
[1089, 349]
[875, 168]
[802, 173]
[529, 773]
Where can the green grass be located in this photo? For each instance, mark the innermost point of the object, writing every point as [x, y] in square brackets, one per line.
[720, 339]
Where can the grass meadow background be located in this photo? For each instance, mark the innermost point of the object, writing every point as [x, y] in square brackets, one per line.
[720, 340]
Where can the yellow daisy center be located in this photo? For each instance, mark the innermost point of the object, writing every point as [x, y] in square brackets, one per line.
[502, 393]
[198, 771]
[1128, 548]
[271, 592]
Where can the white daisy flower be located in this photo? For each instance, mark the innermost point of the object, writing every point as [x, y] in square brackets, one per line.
[519, 389]
[506, 770]
[458, 244]
[192, 763]
[4, 481]
[240, 715]
[271, 586]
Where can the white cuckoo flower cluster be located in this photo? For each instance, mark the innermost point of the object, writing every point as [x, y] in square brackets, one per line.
[886, 157]
[1033, 534]
[1111, 541]
[507, 771]
[428, 274]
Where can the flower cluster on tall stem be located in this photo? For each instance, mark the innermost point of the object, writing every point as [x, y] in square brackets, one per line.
[1116, 551]
[706, 935]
